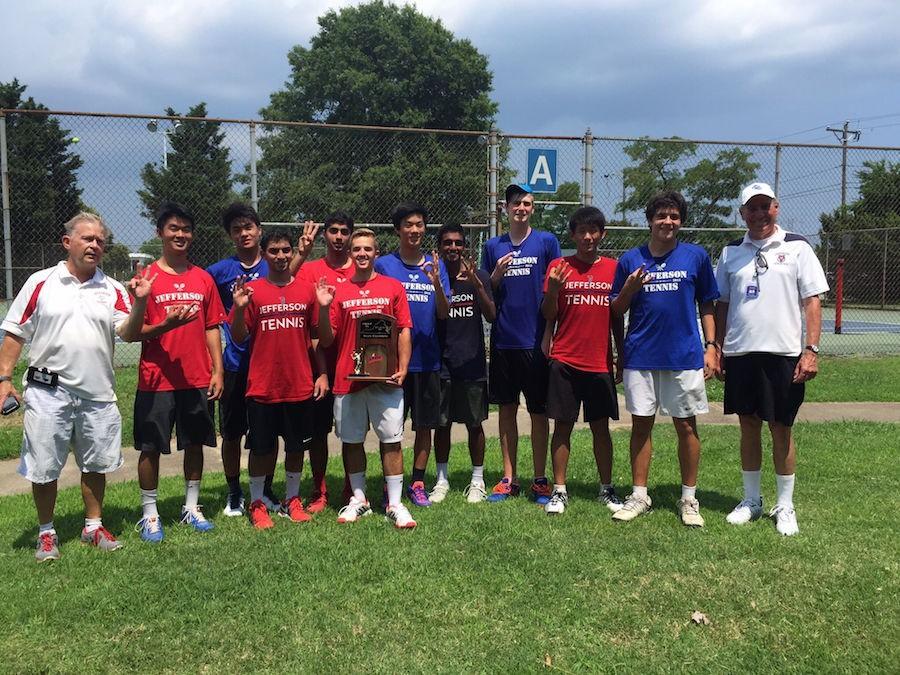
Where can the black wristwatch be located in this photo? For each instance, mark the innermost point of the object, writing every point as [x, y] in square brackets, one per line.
[5, 378]
[711, 343]
[813, 348]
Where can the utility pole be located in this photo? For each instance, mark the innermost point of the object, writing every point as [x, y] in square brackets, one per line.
[845, 134]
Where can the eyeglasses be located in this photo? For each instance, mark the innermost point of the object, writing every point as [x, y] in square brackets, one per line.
[760, 262]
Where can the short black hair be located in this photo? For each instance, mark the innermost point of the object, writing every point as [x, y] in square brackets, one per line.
[405, 210]
[340, 218]
[668, 199]
[514, 191]
[238, 210]
[587, 215]
[451, 227]
[169, 209]
[279, 234]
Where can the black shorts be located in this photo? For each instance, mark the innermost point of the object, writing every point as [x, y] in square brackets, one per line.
[515, 371]
[464, 402]
[188, 410]
[323, 415]
[761, 384]
[422, 399]
[292, 421]
[570, 387]
[233, 407]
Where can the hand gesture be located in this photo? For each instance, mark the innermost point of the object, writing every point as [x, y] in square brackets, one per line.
[558, 276]
[636, 280]
[501, 267]
[305, 243]
[241, 293]
[178, 315]
[141, 283]
[467, 270]
[324, 292]
[432, 269]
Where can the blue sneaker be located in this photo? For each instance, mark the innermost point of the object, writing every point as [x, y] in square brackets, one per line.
[417, 494]
[151, 529]
[195, 518]
[540, 491]
[504, 490]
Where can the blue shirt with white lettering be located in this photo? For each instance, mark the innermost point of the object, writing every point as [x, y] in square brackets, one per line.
[426, 349]
[225, 272]
[662, 319]
[519, 324]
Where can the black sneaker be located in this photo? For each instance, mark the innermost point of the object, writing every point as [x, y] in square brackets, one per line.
[234, 504]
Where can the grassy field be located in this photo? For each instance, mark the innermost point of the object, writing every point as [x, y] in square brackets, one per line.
[484, 587]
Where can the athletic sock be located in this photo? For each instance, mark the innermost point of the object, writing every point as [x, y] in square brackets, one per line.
[291, 484]
[234, 484]
[257, 488]
[358, 485]
[394, 489]
[46, 527]
[688, 492]
[191, 494]
[784, 491]
[92, 524]
[418, 474]
[559, 488]
[478, 474]
[639, 491]
[442, 475]
[752, 480]
[148, 503]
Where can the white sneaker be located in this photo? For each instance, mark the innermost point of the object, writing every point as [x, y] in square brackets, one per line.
[689, 510]
[557, 503]
[609, 497]
[439, 492]
[632, 508]
[785, 520]
[400, 516]
[745, 511]
[475, 492]
[354, 510]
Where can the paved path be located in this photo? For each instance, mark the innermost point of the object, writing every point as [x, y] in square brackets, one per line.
[12, 483]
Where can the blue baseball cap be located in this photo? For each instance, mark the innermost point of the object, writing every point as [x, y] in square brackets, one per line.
[517, 189]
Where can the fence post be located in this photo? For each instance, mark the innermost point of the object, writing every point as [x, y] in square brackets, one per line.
[7, 227]
[884, 271]
[838, 295]
[777, 167]
[587, 190]
[254, 196]
[493, 169]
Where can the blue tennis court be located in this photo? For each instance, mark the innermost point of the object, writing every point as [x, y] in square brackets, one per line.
[860, 327]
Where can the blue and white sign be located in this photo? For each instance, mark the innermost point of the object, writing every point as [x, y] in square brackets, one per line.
[542, 170]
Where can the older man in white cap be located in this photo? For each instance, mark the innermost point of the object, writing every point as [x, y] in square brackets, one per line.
[769, 281]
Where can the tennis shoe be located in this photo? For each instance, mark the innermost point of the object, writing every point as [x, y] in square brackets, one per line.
[689, 510]
[195, 518]
[746, 511]
[259, 515]
[632, 508]
[317, 502]
[354, 510]
[101, 538]
[785, 520]
[47, 547]
[272, 502]
[439, 492]
[475, 492]
[557, 503]
[504, 490]
[609, 497]
[234, 505]
[293, 508]
[540, 491]
[417, 495]
[151, 529]
[400, 516]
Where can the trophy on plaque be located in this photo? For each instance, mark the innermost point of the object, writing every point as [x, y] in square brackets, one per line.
[375, 356]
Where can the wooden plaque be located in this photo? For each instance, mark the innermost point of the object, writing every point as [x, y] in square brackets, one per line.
[376, 348]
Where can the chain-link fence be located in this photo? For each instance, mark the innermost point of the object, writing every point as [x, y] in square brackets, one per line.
[55, 163]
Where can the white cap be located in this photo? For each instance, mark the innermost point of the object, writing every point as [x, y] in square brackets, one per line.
[754, 189]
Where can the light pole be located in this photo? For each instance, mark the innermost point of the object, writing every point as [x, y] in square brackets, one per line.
[153, 127]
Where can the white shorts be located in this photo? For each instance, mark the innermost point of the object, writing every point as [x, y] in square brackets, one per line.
[55, 420]
[380, 404]
[676, 393]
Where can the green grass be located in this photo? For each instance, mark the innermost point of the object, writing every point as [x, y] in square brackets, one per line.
[484, 587]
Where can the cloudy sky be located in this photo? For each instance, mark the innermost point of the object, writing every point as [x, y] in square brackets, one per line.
[722, 69]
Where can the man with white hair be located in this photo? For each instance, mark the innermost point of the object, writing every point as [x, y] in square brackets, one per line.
[70, 314]
[769, 282]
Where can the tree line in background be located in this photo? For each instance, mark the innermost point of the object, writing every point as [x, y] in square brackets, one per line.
[382, 65]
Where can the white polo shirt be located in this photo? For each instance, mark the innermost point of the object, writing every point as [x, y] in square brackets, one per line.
[71, 328]
[769, 318]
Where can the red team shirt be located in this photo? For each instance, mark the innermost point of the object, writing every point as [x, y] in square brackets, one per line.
[582, 339]
[352, 300]
[313, 271]
[278, 319]
[179, 359]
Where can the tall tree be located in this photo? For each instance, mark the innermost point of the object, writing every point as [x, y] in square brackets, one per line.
[377, 64]
[44, 190]
[197, 175]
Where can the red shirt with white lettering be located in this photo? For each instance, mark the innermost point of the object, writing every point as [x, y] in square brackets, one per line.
[278, 319]
[179, 358]
[582, 338]
[352, 300]
[314, 270]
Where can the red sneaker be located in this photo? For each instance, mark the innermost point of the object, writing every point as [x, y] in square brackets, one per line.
[317, 502]
[259, 515]
[293, 508]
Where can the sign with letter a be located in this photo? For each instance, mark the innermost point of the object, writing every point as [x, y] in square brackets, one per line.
[542, 170]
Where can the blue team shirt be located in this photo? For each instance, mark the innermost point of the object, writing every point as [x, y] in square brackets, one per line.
[519, 324]
[662, 319]
[426, 349]
[237, 356]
